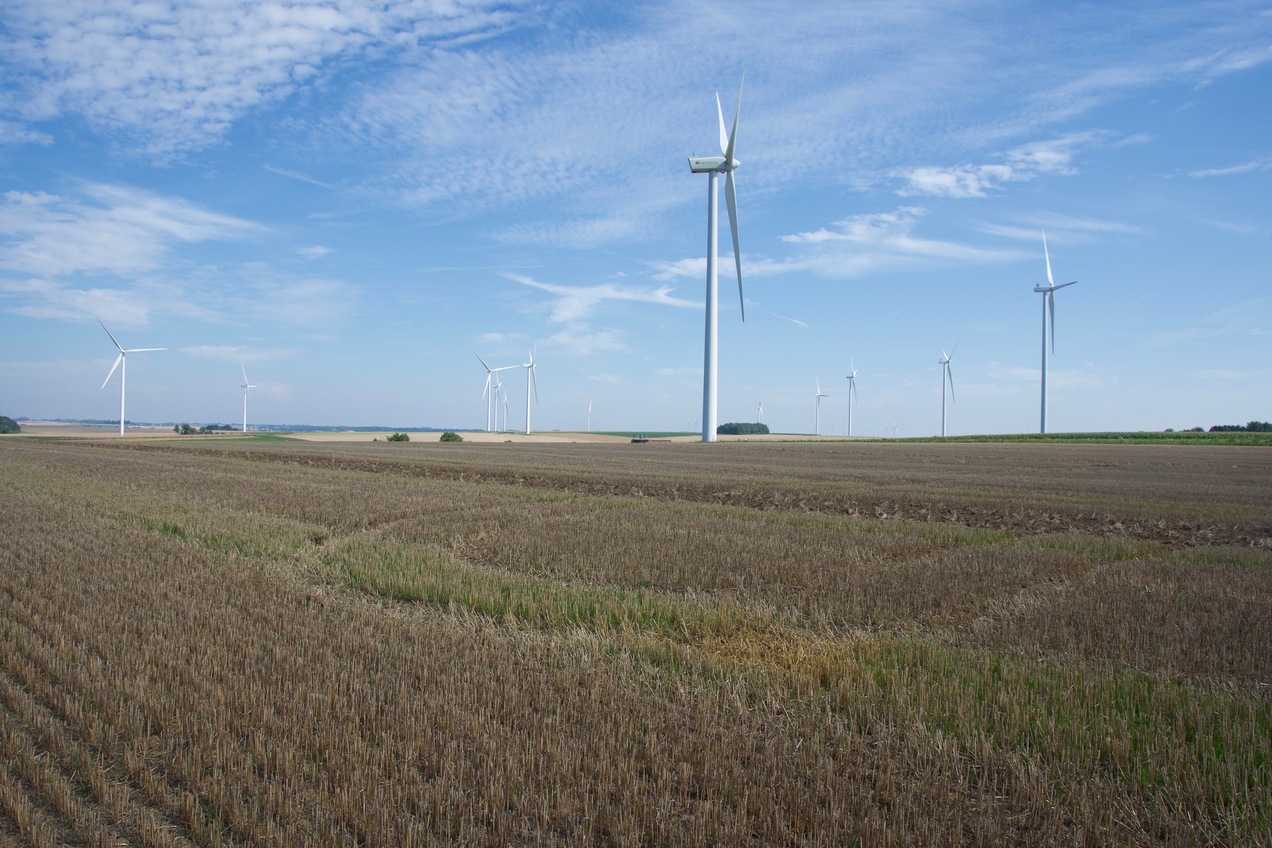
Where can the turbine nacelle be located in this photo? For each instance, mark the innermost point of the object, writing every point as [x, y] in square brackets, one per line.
[708, 164]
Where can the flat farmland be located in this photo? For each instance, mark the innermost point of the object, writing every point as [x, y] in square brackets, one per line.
[228, 641]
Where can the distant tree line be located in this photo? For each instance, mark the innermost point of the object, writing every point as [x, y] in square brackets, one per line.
[188, 430]
[1252, 427]
[742, 429]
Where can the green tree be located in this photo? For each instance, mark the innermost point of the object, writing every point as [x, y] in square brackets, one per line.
[8, 425]
[448, 436]
[742, 429]
[398, 437]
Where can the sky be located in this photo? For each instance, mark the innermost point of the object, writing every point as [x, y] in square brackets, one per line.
[352, 200]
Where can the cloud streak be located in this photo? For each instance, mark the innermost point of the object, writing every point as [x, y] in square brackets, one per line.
[109, 229]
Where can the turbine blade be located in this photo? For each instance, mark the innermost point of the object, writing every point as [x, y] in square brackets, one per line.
[534, 381]
[245, 380]
[118, 359]
[112, 337]
[724, 134]
[733, 133]
[950, 373]
[1046, 253]
[730, 195]
[482, 361]
[144, 349]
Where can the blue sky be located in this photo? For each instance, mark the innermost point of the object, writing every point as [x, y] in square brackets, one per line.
[352, 199]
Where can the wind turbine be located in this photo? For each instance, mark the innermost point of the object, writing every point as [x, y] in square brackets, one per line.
[246, 385]
[589, 416]
[852, 391]
[1048, 312]
[713, 166]
[531, 379]
[759, 411]
[121, 362]
[492, 402]
[946, 373]
[817, 421]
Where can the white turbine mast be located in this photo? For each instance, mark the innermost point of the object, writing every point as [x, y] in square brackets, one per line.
[713, 166]
[817, 419]
[946, 374]
[589, 416]
[121, 362]
[852, 390]
[531, 380]
[759, 412]
[246, 385]
[1048, 317]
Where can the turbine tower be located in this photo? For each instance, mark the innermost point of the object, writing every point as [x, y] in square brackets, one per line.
[1048, 316]
[852, 391]
[121, 362]
[713, 166]
[817, 420]
[589, 416]
[759, 412]
[531, 379]
[946, 373]
[246, 385]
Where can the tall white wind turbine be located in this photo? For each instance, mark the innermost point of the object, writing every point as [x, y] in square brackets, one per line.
[852, 390]
[246, 385]
[1048, 317]
[589, 416]
[946, 374]
[121, 362]
[713, 166]
[531, 379]
[817, 419]
[759, 411]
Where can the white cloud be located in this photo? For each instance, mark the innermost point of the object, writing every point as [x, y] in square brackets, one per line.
[883, 241]
[111, 229]
[176, 76]
[574, 303]
[1263, 163]
[1026, 162]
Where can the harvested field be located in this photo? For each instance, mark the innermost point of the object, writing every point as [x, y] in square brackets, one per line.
[227, 642]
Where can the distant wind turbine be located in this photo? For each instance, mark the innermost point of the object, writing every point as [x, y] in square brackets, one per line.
[589, 416]
[946, 374]
[817, 420]
[852, 390]
[1048, 316]
[492, 402]
[246, 385]
[121, 362]
[531, 379]
[713, 166]
[759, 411]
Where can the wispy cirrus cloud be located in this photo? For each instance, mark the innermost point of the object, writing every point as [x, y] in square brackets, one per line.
[1026, 162]
[106, 229]
[1262, 163]
[174, 77]
[575, 303]
[882, 241]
